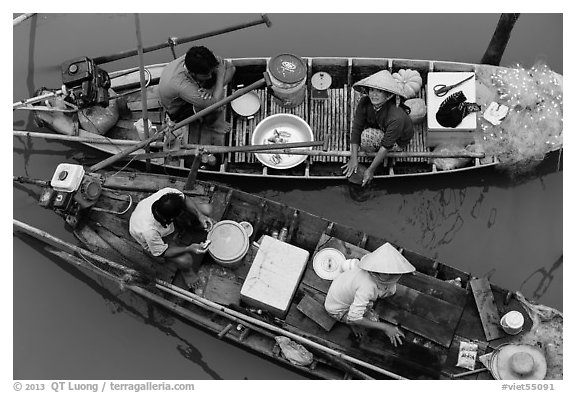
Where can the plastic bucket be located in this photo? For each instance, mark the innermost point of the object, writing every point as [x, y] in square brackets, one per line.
[229, 243]
[512, 322]
[287, 74]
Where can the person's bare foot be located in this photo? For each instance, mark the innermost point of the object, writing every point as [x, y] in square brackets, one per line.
[191, 279]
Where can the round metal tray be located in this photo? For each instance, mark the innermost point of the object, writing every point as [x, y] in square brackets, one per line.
[281, 128]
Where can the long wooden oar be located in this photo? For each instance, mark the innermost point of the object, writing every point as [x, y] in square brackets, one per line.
[207, 304]
[161, 132]
[213, 149]
[176, 41]
[186, 148]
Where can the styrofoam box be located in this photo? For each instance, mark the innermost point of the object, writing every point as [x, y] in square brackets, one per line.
[450, 78]
[274, 276]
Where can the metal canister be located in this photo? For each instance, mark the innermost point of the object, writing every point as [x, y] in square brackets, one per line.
[283, 236]
[287, 73]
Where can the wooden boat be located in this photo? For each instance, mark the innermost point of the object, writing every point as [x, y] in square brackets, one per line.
[328, 114]
[438, 307]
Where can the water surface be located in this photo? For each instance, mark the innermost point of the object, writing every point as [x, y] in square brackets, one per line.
[67, 326]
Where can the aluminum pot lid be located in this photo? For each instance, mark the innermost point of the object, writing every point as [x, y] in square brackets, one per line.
[321, 80]
[229, 240]
[287, 68]
[246, 105]
[327, 263]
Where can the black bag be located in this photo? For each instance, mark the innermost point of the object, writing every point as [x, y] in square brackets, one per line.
[454, 109]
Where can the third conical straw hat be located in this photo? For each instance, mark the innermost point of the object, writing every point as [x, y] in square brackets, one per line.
[382, 80]
[386, 259]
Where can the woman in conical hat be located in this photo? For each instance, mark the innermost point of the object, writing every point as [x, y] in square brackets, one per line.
[381, 121]
[352, 294]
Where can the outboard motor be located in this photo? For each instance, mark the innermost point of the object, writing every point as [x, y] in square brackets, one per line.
[87, 83]
[71, 192]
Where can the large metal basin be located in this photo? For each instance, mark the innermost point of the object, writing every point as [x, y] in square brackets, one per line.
[281, 128]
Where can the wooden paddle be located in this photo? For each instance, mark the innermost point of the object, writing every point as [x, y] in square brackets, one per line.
[161, 132]
[175, 40]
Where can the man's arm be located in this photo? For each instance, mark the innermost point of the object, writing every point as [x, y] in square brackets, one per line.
[174, 251]
[193, 208]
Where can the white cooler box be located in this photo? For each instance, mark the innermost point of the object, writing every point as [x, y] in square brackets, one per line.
[274, 276]
[450, 78]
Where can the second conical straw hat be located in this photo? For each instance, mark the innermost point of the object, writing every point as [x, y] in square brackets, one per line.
[386, 259]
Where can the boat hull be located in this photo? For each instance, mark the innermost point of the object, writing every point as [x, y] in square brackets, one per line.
[329, 117]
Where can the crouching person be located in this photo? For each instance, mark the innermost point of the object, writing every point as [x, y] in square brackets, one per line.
[352, 294]
[152, 226]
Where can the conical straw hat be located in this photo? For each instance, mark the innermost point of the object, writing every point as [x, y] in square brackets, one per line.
[382, 80]
[518, 361]
[386, 259]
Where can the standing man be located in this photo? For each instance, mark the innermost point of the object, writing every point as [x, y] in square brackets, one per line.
[152, 226]
[193, 82]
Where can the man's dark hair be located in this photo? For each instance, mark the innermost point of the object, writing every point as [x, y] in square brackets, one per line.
[200, 60]
[169, 206]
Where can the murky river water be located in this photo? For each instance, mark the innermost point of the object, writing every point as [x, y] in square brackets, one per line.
[67, 327]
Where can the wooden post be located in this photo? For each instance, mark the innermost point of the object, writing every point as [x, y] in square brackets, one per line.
[143, 88]
[493, 54]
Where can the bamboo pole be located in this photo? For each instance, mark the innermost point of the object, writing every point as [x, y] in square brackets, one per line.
[190, 119]
[278, 330]
[71, 138]
[469, 372]
[21, 18]
[271, 149]
[143, 87]
[48, 238]
[202, 302]
[186, 147]
[36, 99]
[175, 40]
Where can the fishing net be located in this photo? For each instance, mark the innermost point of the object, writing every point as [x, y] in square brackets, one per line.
[533, 126]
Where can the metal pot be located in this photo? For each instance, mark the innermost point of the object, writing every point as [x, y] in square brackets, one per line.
[229, 244]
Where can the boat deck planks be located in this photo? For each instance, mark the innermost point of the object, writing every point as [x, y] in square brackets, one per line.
[315, 310]
[487, 308]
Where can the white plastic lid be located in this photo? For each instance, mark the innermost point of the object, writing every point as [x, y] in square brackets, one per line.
[321, 80]
[514, 319]
[327, 263]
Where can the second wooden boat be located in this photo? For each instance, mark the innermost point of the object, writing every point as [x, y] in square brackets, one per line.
[439, 307]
